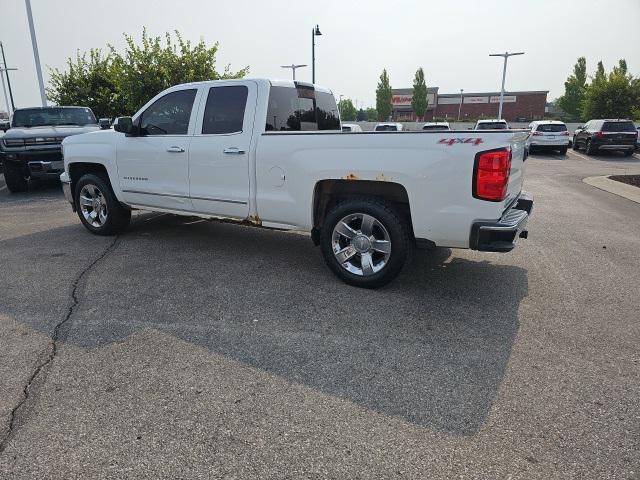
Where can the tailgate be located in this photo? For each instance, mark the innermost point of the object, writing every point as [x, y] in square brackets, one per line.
[518, 160]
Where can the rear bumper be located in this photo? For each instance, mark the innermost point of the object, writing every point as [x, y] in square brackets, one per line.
[606, 146]
[501, 235]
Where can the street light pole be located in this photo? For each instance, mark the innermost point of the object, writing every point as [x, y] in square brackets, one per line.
[36, 55]
[293, 67]
[314, 32]
[460, 106]
[6, 70]
[506, 56]
[4, 88]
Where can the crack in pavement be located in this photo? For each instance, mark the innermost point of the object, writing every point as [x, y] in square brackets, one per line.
[53, 344]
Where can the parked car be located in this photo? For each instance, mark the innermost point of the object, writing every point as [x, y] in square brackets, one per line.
[5, 123]
[436, 126]
[234, 149]
[638, 139]
[495, 124]
[31, 147]
[549, 135]
[388, 127]
[351, 127]
[609, 134]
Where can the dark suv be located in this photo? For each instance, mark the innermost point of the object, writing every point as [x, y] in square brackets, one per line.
[31, 148]
[597, 135]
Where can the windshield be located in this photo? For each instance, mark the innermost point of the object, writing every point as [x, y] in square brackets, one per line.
[39, 117]
[552, 127]
[618, 127]
[491, 126]
[386, 128]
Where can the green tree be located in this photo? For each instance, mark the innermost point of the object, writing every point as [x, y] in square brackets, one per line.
[361, 115]
[383, 97]
[372, 114]
[116, 83]
[616, 95]
[574, 90]
[419, 100]
[347, 110]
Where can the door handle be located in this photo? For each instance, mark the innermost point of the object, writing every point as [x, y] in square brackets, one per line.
[235, 150]
[175, 149]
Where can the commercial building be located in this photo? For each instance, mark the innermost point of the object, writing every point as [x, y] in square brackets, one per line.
[517, 106]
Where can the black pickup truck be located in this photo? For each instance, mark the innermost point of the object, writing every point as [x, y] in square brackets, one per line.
[31, 148]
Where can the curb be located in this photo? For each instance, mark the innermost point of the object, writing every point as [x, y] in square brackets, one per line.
[617, 188]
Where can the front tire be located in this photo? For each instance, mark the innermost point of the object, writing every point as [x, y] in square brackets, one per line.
[574, 144]
[15, 180]
[364, 242]
[98, 208]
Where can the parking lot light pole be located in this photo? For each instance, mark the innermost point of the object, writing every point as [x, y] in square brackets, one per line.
[506, 56]
[293, 67]
[10, 109]
[460, 106]
[6, 72]
[36, 55]
[314, 32]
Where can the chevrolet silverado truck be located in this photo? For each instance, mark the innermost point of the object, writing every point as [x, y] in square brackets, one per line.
[273, 154]
[31, 148]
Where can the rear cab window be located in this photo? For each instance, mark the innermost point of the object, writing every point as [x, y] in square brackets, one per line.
[301, 109]
[224, 111]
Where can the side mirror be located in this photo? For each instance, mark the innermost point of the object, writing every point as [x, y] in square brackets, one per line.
[104, 123]
[123, 125]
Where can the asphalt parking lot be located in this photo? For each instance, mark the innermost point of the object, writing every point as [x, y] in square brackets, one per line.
[191, 349]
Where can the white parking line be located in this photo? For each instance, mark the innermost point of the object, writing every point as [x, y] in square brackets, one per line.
[573, 152]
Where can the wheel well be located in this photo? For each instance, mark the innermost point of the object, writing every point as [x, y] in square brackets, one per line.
[327, 193]
[78, 169]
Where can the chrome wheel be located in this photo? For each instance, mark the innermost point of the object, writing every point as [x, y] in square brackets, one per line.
[361, 244]
[93, 205]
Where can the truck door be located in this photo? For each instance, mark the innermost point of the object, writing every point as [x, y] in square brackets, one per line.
[219, 150]
[153, 167]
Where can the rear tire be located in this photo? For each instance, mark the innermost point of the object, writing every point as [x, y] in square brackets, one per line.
[16, 182]
[370, 237]
[97, 206]
[563, 151]
[628, 153]
[588, 148]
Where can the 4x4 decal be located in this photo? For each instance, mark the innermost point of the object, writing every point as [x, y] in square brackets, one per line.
[451, 141]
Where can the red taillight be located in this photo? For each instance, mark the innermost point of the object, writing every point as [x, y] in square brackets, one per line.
[600, 134]
[565, 133]
[491, 174]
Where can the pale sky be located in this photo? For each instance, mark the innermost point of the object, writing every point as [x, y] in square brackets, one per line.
[450, 39]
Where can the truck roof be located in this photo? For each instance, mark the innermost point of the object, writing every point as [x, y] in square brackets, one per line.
[268, 81]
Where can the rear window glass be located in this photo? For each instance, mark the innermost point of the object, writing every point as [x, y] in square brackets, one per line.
[435, 127]
[346, 129]
[492, 126]
[386, 128]
[301, 109]
[551, 127]
[618, 127]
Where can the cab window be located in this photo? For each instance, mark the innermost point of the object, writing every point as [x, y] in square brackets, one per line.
[169, 115]
[224, 111]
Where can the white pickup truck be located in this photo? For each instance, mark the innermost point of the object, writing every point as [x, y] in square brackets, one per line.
[272, 154]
